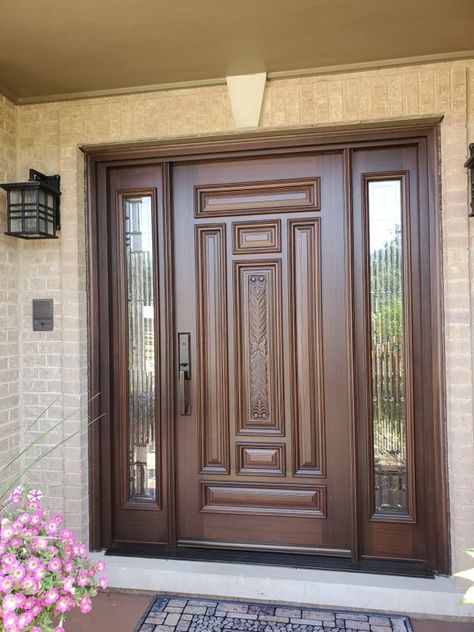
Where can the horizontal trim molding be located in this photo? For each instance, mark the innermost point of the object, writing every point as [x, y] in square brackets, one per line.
[221, 81]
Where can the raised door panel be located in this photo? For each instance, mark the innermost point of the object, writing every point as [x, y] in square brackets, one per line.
[307, 345]
[257, 287]
[212, 332]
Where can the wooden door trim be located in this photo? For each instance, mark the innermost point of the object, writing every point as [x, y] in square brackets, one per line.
[99, 159]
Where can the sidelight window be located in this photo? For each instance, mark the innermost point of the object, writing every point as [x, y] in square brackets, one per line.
[141, 347]
[388, 346]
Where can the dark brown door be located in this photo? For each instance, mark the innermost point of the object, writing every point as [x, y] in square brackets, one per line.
[265, 330]
[263, 452]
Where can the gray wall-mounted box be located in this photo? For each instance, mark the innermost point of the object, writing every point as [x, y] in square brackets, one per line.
[43, 319]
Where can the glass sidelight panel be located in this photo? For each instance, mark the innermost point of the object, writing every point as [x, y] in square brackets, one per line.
[141, 347]
[387, 339]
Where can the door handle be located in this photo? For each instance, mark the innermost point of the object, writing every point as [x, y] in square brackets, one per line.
[184, 373]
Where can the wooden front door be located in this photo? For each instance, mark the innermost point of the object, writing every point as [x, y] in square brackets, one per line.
[263, 451]
[265, 342]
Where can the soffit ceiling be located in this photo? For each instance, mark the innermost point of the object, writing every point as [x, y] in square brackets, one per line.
[67, 48]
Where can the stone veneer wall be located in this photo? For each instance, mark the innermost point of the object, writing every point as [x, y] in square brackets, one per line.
[48, 137]
[9, 331]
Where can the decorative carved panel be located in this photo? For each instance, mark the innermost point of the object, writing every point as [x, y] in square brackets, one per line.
[307, 345]
[254, 237]
[257, 288]
[243, 198]
[261, 459]
[264, 499]
[213, 407]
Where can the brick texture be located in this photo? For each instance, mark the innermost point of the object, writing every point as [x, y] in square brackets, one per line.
[48, 138]
[9, 333]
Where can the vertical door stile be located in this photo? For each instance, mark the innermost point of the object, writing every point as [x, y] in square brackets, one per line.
[351, 350]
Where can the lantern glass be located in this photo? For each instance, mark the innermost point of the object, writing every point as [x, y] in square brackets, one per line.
[15, 197]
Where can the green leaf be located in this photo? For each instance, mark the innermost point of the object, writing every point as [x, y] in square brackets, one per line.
[43, 434]
[468, 598]
[469, 574]
[18, 478]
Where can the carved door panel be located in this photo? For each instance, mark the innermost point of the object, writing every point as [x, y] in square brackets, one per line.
[263, 451]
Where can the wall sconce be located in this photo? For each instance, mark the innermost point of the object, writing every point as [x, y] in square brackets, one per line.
[33, 207]
[469, 164]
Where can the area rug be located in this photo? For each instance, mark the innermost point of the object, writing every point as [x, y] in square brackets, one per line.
[180, 614]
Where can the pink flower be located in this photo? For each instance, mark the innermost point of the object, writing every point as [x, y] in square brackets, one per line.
[10, 603]
[54, 565]
[100, 566]
[29, 585]
[103, 583]
[68, 567]
[59, 628]
[68, 585]
[33, 563]
[85, 605]
[16, 495]
[35, 496]
[51, 597]
[63, 604]
[6, 584]
[10, 621]
[35, 629]
[52, 527]
[24, 518]
[40, 544]
[83, 579]
[25, 619]
[7, 532]
[9, 559]
[36, 518]
[39, 573]
[18, 573]
[67, 536]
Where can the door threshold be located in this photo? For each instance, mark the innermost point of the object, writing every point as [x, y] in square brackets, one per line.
[263, 558]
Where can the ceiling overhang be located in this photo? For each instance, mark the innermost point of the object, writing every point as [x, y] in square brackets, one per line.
[55, 50]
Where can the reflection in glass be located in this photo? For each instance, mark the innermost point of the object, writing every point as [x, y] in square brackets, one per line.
[141, 347]
[387, 346]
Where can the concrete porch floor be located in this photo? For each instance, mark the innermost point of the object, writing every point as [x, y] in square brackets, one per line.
[120, 612]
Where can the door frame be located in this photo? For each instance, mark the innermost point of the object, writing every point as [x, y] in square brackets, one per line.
[99, 159]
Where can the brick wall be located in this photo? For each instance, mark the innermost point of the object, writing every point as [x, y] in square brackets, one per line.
[48, 139]
[9, 333]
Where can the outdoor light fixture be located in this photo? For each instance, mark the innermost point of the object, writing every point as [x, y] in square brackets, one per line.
[33, 207]
[469, 164]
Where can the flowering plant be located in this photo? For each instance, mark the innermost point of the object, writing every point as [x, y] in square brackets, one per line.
[44, 571]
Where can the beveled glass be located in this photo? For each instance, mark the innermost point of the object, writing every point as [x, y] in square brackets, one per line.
[388, 379]
[141, 347]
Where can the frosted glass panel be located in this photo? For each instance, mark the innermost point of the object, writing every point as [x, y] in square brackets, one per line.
[141, 347]
[389, 427]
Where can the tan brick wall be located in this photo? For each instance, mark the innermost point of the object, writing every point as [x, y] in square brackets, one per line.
[9, 333]
[48, 140]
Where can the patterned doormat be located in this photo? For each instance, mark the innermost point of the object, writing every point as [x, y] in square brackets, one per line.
[170, 613]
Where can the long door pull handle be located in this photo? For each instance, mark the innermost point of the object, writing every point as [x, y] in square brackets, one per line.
[182, 393]
[184, 373]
